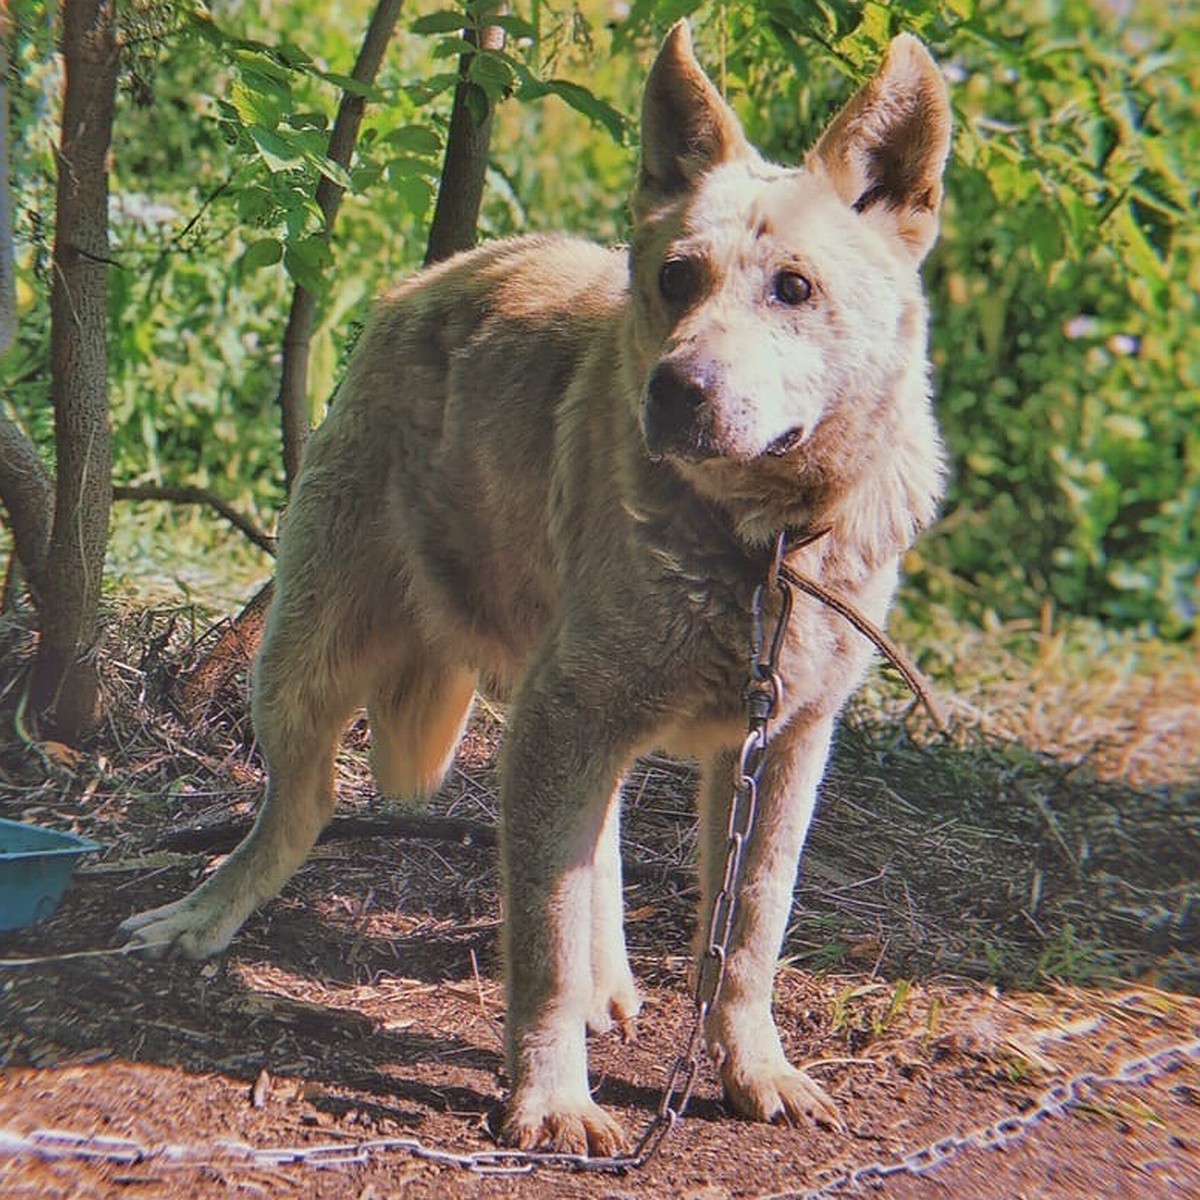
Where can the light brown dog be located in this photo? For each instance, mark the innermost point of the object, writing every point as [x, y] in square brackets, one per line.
[554, 472]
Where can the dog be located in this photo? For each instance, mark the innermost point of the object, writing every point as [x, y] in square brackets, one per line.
[555, 473]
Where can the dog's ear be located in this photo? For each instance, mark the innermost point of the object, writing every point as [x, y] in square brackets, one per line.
[687, 129]
[886, 150]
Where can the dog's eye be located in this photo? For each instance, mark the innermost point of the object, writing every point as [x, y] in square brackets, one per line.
[679, 280]
[791, 288]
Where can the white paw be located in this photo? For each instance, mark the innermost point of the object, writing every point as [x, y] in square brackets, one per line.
[563, 1128]
[779, 1094]
[615, 1005]
[195, 927]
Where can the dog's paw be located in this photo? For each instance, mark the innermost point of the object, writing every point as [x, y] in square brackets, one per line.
[190, 927]
[784, 1095]
[615, 1005]
[577, 1129]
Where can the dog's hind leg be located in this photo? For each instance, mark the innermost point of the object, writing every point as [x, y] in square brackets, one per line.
[417, 713]
[309, 679]
[615, 999]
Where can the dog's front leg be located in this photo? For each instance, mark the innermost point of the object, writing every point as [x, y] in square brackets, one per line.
[741, 1034]
[559, 774]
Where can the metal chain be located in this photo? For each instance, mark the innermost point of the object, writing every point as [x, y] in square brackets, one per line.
[1055, 1101]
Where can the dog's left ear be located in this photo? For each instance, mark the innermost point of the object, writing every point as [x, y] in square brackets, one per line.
[886, 150]
[687, 128]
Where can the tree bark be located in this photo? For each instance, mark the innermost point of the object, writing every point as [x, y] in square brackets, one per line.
[27, 492]
[65, 683]
[8, 283]
[293, 384]
[455, 224]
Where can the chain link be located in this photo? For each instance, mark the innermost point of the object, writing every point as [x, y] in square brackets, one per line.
[1055, 1101]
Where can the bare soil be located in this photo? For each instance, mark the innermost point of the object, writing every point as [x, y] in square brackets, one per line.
[977, 922]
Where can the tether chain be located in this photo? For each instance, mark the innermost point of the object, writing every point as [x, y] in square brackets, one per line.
[1055, 1101]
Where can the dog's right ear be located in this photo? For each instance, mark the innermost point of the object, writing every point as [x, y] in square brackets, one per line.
[687, 129]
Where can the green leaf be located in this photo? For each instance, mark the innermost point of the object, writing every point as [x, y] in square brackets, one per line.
[278, 153]
[445, 21]
[254, 107]
[598, 111]
[306, 262]
[349, 84]
[266, 252]
[477, 102]
[332, 171]
[262, 64]
[432, 87]
[405, 165]
[414, 193]
[516, 27]
[416, 139]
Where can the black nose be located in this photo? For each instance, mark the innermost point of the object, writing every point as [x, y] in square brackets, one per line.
[677, 412]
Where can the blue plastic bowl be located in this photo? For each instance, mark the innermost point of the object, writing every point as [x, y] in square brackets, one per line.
[35, 868]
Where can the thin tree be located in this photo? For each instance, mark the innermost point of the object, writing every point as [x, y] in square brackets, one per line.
[293, 385]
[61, 531]
[455, 224]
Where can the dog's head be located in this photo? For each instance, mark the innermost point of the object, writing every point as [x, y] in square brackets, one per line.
[778, 314]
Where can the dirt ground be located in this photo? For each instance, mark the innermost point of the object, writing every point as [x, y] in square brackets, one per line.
[365, 1005]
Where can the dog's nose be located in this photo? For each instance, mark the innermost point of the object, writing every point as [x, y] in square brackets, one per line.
[677, 412]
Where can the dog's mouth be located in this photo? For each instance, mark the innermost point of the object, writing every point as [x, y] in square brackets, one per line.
[786, 442]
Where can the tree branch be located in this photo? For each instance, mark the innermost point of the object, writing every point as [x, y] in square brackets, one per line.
[293, 384]
[27, 492]
[188, 494]
[455, 224]
[220, 837]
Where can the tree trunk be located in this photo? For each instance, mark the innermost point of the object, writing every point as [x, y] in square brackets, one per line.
[293, 384]
[28, 493]
[65, 685]
[8, 283]
[455, 224]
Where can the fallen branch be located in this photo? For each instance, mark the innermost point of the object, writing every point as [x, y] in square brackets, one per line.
[187, 494]
[222, 836]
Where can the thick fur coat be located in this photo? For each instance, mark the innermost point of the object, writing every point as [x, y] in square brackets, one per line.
[555, 473]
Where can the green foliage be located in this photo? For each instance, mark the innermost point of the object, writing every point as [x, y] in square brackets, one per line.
[1064, 288]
